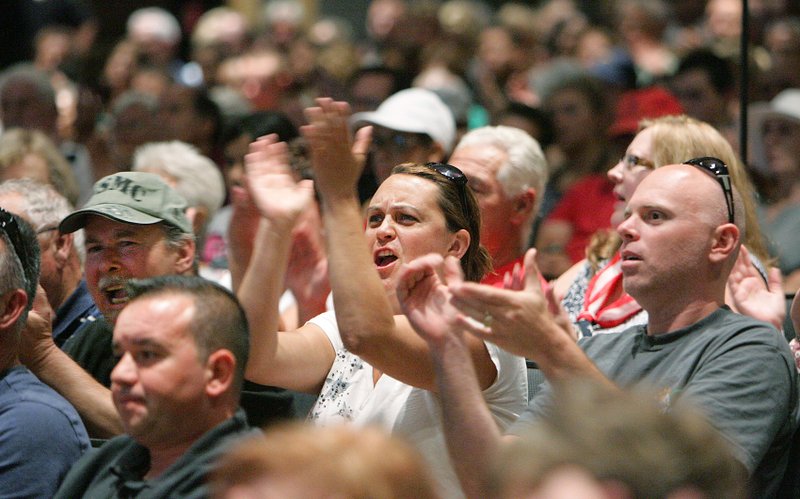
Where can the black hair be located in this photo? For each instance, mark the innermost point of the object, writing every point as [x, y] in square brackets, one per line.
[219, 320]
[719, 70]
[539, 116]
[260, 123]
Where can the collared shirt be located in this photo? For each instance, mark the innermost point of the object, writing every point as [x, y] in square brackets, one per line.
[41, 436]
[117, 469]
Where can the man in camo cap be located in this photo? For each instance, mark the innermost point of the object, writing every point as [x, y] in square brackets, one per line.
[135, 226]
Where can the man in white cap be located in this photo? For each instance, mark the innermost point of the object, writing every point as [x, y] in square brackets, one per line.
[775, 140]
[412, 125]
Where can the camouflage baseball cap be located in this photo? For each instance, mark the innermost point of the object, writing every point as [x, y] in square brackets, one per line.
[131, 197]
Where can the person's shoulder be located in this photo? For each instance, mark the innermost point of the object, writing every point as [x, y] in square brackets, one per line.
[24, 392]
[326, 322]
[92, 474]
[729, 332]
[730, 323]
[30, 396]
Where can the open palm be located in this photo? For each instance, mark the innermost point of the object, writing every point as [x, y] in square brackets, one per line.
[424, 296]
[276, 193]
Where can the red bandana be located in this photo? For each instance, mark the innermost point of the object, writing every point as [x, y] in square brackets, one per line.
[596, 308]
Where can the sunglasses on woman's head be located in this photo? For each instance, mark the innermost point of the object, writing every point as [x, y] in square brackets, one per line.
[449, 171]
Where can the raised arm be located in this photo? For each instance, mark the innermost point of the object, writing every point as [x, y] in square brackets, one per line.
[241, 235]
[298, 359]
[447, 311]
[471, 433]
[55, 368]
[307, 271]
[364, 312]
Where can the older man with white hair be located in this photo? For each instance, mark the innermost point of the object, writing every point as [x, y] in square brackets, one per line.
[62, 255]
[507, 172]
[192, 175]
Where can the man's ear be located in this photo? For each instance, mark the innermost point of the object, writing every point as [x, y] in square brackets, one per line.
[63, 246]
[459, 244]
[523, 205]
[186, 255]
[220, 372]
[725, 243]
[14, 303]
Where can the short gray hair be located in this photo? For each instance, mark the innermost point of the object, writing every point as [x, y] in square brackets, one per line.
[196, 177]
[526, 166]
[44, 207]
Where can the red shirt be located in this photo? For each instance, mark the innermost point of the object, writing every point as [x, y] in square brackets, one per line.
[587, 206]
[495, 277]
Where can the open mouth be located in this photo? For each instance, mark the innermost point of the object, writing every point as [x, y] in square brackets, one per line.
[627, 257]
[384, 258]
[115, 294]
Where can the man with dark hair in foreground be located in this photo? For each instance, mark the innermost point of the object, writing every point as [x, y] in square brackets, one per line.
[182, 344]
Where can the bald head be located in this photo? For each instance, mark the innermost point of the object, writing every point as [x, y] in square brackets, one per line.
[677, 241]
[701, 191]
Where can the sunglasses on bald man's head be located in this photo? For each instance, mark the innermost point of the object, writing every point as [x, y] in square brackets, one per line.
[719, 170]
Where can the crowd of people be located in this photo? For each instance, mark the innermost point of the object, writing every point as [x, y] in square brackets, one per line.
[483, 250]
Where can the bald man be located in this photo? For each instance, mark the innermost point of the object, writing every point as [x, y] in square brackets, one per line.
[681, 238]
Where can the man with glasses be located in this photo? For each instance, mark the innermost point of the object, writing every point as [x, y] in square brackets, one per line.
[41, 435]
[681, 237]
[412, 125]
[61, 254]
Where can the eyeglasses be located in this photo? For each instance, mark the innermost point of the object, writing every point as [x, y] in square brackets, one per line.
[8, 224]
[449, 171]
[719, 170]
[631, 161]
[397, 141]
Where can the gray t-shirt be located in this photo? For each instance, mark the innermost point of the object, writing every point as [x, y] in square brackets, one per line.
[738, 370]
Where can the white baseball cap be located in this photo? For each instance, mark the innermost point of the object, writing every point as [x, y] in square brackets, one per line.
[785, 105]
[414, 110]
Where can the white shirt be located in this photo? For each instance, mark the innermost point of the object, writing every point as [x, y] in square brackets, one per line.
[349, 395]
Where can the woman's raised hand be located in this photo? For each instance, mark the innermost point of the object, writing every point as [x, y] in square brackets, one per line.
[337, 160]
[273, 188]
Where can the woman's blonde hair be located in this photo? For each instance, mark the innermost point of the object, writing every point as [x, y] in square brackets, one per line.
[676, 139]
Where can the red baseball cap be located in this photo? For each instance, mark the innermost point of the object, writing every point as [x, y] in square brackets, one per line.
[634, 106]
